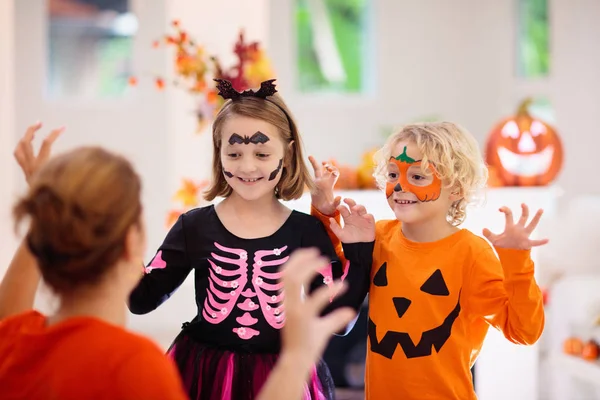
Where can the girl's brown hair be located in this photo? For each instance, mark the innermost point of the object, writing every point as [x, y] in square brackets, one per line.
[80, 206]
[295, 176]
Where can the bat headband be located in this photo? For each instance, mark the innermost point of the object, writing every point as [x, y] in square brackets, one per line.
[267, 88]
[226, 90]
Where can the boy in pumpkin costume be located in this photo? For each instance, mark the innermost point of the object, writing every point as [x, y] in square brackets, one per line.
[435, 288]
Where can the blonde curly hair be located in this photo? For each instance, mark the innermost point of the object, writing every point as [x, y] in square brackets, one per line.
[455, 154]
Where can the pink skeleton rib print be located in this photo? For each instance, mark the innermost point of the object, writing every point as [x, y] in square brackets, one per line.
[250, 284]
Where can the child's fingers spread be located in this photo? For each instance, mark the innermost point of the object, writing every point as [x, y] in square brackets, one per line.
[315, 166]
[489, 235]
[535, 221]
[351, 203]
[359, 209]
[538, 242]
[337, 201]
[508, 214]
[344, 211]
[335, 227]
[524, 214]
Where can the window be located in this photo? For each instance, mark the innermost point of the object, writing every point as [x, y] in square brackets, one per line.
[533, 39]
[90, 47]
[332, 45]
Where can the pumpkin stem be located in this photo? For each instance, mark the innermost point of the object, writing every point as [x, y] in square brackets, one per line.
[523, 109]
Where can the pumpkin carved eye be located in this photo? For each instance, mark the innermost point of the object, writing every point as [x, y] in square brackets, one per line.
[436, 285]
[511, 130]
[537, 128]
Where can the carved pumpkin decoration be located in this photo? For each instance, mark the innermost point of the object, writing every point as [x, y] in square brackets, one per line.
[590, 351]
[365, 177]
[573, 346]
[493, 178]
[524, 150]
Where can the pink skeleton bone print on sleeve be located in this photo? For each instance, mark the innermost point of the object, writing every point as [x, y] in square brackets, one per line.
[157, 263]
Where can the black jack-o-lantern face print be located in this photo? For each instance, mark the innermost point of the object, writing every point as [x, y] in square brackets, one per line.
[434, 337]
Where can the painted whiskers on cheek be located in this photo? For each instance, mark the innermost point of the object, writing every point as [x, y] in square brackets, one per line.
[276, 171]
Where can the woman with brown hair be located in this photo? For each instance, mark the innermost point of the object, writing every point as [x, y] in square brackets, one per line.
[87, 239]
[87, 247]
[236, 249]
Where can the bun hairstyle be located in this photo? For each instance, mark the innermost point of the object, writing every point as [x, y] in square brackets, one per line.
[80, 206]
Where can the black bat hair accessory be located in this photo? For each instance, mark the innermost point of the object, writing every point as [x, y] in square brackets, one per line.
[226, 90]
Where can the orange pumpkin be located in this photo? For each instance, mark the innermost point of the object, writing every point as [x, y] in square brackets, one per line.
[524, 150]
[493, 178]
[590, 351]
[573, 346]
[348, 179]
[365, 170]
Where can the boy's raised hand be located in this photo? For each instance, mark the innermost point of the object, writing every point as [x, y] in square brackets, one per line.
[359, 226]
[516, 236]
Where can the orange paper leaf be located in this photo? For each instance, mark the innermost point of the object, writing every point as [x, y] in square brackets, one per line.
[172, 217]
[188, 193]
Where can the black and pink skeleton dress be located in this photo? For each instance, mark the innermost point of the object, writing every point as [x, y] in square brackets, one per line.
[229, 348]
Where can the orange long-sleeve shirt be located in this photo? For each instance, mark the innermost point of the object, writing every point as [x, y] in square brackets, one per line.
[81, 358]
[430, 306]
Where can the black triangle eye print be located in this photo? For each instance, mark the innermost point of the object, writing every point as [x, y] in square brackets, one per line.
[380, 278]
[436, 285]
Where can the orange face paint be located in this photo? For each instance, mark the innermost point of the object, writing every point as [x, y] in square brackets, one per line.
[410, 178]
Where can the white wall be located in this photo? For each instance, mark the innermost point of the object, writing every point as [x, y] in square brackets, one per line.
[457, 60]
[135, 125]
[7, 242]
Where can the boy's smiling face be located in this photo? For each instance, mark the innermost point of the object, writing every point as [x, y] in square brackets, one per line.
[414, 193]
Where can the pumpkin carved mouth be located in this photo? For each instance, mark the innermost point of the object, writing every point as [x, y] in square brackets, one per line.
[526, 165]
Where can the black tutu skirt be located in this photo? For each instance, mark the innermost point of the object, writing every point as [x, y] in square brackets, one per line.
[212, 373]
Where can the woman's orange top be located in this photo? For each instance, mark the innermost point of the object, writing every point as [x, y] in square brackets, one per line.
[81, 358]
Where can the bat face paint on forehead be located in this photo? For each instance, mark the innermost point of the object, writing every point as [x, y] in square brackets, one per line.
[257, 138]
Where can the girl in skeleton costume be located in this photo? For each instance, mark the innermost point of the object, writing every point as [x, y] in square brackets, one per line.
[236, 249]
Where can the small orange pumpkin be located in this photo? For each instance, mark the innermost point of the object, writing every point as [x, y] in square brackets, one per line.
[524, 150]
[590, 351]
[348, 179]
[573, 346]
[365, 170]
